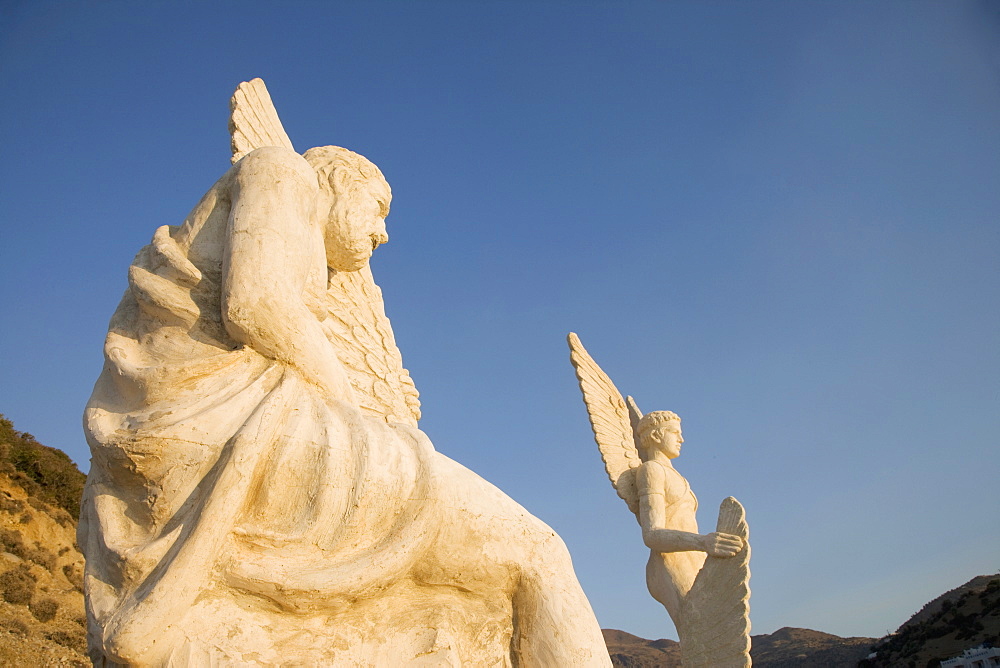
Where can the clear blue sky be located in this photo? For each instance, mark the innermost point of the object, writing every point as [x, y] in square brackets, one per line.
[778, 219]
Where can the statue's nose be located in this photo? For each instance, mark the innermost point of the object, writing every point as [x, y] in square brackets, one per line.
[380, 235]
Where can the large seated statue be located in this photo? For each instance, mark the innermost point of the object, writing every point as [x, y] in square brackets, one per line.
[259, 491]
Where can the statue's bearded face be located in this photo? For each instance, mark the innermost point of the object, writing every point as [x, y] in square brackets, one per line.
[355, 223]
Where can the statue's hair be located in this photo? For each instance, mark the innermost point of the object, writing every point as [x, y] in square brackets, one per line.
[655, 419]
[331, 160]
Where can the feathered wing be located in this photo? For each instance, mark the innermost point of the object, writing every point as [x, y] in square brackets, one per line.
[634, 415]
[253, 120]
[358, 326]
[609, 418]
[716, 612]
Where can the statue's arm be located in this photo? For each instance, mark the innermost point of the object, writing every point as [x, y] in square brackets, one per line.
[272, 243]
[652, 482]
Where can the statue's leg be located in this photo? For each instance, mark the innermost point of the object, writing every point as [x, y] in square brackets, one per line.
[554, 623]
[495, 544]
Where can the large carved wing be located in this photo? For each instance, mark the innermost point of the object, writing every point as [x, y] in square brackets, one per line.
[253, 120]
[609, 418]
[715, 617]
[356, 322]
[358, 326]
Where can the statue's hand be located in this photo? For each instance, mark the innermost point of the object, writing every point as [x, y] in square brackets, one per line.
[721, 544]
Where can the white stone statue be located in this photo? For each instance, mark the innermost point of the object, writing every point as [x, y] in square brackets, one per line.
[259, 492]
[702, 580]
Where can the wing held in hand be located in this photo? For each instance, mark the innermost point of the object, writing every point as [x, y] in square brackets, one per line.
[716, 612]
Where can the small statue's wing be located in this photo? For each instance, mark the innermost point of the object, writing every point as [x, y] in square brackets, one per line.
[609, 418]
[634, 415]
[357, 325]
[716, 612]
[253, 120]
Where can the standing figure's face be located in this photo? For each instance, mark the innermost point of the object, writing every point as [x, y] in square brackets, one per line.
[665, 438]
[355, 224]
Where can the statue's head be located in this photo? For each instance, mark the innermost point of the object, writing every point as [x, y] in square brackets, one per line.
[660, 430]
[354, 200]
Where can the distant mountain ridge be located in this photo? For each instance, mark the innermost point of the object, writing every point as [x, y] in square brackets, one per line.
[791, 647]
[785, 648]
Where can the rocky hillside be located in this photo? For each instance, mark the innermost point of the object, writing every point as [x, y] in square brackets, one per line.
[41, 599]
[957, 620]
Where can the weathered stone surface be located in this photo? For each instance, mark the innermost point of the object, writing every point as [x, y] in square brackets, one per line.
[259, 490]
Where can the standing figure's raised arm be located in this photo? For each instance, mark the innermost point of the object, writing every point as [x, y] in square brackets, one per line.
[274, 247]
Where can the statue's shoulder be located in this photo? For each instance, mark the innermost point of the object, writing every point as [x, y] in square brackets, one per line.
[651, 478]
[656, 478]
[274, 162]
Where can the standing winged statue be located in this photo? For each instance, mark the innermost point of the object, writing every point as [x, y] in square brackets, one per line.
[259, 491]
[701, 579]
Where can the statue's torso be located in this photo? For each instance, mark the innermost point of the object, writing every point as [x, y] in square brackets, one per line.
[680, 503]
[669, 575]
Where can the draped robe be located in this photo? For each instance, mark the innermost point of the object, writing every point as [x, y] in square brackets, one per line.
[225, 487]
